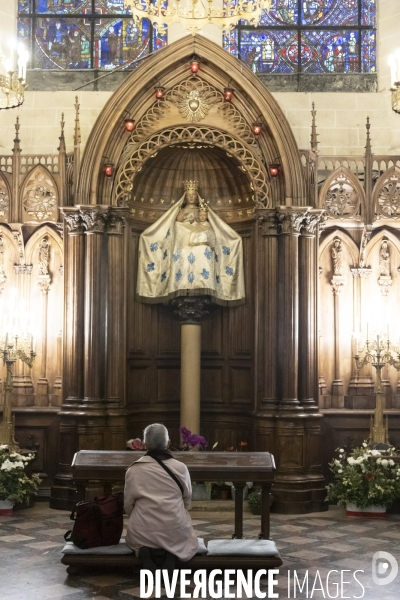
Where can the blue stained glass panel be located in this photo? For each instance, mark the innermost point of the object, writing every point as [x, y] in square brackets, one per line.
[107, 7]
[331, 51]
[160, 38]
[329, 12]
[120, 41]
[268, 51]
[24, 6]
[63, 6]
[24, 32]
[230, 41]
[368, 52]
[368, 13]
[282, 12]
[62, 44]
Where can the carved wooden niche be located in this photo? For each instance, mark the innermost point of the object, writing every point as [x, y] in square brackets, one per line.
[39, 196]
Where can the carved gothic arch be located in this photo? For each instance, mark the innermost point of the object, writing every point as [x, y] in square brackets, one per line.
[136, 96]
[48, 206]
[385, 205]
[343, 174]
[138, 153]
[347, 241]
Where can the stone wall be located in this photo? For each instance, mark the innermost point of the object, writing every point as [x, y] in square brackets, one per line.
[341, 115]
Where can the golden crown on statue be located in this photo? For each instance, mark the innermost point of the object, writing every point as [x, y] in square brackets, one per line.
[191, 186]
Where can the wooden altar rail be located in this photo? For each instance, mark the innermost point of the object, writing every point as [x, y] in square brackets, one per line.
[108, 467]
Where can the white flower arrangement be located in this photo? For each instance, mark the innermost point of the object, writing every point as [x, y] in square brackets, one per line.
[15, 485]
[366, 477]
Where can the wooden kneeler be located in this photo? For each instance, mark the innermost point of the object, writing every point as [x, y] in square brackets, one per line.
[78, 562]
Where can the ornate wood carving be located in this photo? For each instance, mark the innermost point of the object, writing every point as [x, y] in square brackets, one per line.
[136, 153]
[40, 196]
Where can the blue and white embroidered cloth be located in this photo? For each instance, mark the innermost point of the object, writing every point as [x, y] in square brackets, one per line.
[200, 258]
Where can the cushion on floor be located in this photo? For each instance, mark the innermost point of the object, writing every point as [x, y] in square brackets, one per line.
[118, 549]
[242, 547]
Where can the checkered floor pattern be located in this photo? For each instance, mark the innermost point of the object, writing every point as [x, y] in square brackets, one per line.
[31, 541]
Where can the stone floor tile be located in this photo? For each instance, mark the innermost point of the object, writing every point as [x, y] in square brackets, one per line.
[339, 547]
[307, 554]
[44, 545]
[297, 540]
[15, 538]
[27, 525]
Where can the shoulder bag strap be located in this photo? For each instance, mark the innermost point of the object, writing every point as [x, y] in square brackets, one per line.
[171, 474]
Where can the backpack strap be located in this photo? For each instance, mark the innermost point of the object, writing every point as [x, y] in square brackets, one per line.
[170, 473]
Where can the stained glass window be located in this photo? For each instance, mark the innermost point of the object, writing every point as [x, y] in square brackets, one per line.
[309, 36]
[81, 34]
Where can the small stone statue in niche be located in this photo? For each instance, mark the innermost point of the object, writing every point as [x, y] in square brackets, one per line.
[44, 256]
[384, 259]
[190, 251]
[337, 256]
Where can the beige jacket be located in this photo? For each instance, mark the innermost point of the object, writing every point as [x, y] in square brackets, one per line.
[158, 516]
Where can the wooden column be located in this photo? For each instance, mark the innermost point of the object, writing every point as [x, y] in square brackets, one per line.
[308, 325]
[94, 218]
[63, 494]
[115, 340]
[289, 222]
[74, 277]
[268, 302]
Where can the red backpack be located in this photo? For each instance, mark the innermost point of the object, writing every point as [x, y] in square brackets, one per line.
[98, 522]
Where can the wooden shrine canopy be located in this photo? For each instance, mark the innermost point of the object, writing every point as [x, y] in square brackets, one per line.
[108, 467]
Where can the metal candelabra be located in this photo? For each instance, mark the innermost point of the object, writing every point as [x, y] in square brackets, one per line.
[378, 353]
[10, 354]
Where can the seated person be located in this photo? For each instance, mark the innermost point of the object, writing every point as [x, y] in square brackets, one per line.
[156, 506]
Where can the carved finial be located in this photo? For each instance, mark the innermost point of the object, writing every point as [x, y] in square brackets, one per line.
[314, 134]
[61, 147]
[16, 139]
[368, 144]
[77, 134]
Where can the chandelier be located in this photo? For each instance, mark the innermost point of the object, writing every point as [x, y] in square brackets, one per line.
[195, 14]
[12, 83]
[394, 62]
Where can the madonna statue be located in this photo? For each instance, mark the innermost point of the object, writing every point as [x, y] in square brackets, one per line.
[190, 251]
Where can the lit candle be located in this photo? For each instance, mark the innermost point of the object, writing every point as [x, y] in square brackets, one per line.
[5, 347]
[367, 331]
[377, 341]
[31, 342]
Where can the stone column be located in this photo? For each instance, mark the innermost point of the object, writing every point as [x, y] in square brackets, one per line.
[190, 310]
[308, 320]
[95, 219]
[337, 384]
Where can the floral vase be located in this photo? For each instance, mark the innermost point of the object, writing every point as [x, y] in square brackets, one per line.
[6, 508]
[371, 512]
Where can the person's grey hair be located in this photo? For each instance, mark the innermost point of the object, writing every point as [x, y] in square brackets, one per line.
[156, 437]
